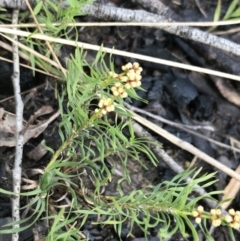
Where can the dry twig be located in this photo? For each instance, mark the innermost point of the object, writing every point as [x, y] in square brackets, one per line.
[17, 170]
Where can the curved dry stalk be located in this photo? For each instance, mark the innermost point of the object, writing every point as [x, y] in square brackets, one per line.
[227, 91]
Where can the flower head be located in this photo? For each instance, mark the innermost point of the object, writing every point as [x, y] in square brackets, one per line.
[119, 90]
[105, 106]
[197, 214]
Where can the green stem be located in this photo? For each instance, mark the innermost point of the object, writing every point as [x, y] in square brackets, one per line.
[66, 143]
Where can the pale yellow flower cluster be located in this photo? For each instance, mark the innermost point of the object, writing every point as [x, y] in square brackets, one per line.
[130, 79]
[105, 105]
[233, 218]
[216, 216]
[197, 214]
[119, 90]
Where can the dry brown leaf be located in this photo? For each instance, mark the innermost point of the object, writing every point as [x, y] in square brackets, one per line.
[227, 90]
[8, 126]
[37, 153]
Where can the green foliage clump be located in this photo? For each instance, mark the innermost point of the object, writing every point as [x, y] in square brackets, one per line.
[233, 11]
[89, 136]
[49, 12]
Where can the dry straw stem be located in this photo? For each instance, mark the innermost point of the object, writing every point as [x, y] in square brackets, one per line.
[117, 52]
[185, 146]
[29, 50]
[10, 49]
[26, 57]
[30, 67]
[142, 24]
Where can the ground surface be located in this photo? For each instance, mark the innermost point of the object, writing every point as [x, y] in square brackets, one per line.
[177, 95]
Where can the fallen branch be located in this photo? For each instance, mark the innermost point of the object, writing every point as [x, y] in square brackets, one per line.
[156, 6]
[126, 15]
[221, 59]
